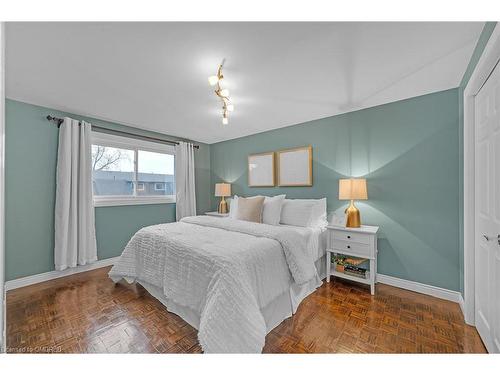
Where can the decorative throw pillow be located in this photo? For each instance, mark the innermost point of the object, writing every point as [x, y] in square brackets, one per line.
[250, 209]
[271, 212]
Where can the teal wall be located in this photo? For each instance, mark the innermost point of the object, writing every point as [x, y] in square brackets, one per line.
[30, 171]
[407, 150]
[476, 55]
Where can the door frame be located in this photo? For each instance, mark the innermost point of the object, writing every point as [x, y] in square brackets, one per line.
[486, 64]
[2, 188]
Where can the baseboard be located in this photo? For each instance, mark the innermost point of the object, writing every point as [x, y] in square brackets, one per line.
[414, 286]
[51, 275]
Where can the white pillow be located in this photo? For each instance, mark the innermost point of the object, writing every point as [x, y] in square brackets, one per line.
[319, 215]
[271, 213]
[233, 207]
[304, 212]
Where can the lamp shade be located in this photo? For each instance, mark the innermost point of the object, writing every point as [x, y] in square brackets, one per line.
[352, 188]
[222, 190]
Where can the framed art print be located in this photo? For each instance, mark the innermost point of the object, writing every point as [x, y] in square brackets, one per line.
[295, 166]
[261, 170]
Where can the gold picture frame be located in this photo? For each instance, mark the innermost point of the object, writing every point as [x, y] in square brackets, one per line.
[261, 169]
[295, 166]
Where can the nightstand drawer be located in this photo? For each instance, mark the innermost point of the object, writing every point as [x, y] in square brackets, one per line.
[362, 250]
[359, 238]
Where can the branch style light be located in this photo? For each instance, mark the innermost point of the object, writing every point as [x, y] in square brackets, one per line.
[222, 93]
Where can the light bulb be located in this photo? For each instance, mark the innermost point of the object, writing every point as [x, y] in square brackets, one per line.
[224, 92]
[230, 107]
[225, 121]
[213, 80]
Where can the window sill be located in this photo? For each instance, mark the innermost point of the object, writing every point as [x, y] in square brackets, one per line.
[131, 201]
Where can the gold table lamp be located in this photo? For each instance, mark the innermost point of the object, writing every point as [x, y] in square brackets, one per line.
[222, 190]
[351, 189]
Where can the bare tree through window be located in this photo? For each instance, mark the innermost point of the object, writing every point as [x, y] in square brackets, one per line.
[104, 158]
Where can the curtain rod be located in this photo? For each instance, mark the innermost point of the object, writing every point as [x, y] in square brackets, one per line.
[59, 121]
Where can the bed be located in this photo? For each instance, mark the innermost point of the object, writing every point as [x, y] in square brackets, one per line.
[232, 280]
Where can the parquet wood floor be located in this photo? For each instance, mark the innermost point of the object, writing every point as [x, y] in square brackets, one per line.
[87, 313]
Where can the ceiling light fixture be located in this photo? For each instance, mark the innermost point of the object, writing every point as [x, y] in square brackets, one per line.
[223, 94]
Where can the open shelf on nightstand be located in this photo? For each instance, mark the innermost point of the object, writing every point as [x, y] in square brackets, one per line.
[350, 277]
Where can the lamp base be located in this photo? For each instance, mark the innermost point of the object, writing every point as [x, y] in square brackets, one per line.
[222, 209]
[353, 219]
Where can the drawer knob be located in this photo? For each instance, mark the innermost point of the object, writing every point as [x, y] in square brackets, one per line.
[348, 246]
[348, 236]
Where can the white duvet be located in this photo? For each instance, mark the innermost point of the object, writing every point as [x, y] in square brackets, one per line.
[225, 270]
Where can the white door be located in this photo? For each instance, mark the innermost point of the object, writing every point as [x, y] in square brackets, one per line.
[2, 164]
[487, 231]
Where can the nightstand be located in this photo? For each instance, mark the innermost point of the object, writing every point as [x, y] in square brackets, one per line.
[216, 214]
[356, 242]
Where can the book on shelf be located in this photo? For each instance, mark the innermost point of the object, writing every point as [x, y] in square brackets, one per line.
[355, 274]
[364, 277]
[349, 260]
[352, 268]
[355, 271]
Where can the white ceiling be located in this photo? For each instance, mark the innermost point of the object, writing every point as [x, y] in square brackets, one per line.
[154, 75]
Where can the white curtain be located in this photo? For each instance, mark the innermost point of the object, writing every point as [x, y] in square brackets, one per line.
[75, 242]
[184, 180]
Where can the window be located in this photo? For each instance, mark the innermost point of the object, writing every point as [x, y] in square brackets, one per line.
[130, 171]
[159, 186]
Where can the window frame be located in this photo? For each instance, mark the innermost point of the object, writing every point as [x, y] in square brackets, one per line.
[136, 145]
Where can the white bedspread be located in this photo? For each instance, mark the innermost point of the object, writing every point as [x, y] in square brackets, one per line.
[227, 270]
